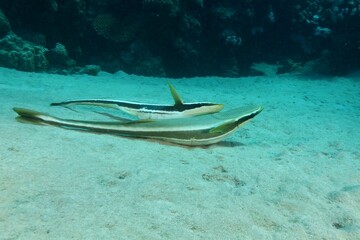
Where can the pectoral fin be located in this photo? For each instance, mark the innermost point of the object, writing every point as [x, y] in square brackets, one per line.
[223, 128]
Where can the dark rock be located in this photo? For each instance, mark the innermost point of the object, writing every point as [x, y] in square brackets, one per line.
[21, 55]
[58, 56]
[5, 27]
[90, 70]
[183, 38]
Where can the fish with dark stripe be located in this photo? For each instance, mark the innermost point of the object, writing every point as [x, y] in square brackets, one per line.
[152, 111]
[192, 131]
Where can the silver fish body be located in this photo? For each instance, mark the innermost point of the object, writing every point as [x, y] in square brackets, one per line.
[192, 131]
[152, 111]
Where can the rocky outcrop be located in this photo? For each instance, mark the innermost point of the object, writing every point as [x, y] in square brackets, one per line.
[5, 27]
[21, 55]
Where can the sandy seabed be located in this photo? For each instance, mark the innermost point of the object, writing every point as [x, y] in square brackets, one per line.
[293, 172]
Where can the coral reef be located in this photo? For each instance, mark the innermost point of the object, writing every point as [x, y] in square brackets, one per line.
[58, 56]
[22, 55]
[184, 38]
[162, 7]
[90, 70]
[111, 28]
[4, 24]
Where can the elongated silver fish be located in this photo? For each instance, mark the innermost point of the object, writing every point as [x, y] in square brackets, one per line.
[152, 111]
[193, 131]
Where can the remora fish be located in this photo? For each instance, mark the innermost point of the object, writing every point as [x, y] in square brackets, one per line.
[194, 131]
[152, 111]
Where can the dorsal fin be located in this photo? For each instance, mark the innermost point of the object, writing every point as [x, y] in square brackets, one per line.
[177, 99]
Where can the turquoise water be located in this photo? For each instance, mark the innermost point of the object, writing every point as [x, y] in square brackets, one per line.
[290, 173]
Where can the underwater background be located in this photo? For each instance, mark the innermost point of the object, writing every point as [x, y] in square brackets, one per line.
[174, 38]
[292, 172]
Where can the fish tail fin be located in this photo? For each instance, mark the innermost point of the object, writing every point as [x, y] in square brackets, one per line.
[30, 116]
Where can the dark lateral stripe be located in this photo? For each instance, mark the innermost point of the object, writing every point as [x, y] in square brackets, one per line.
[199, 130]
[248, 117]
[138, 106]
